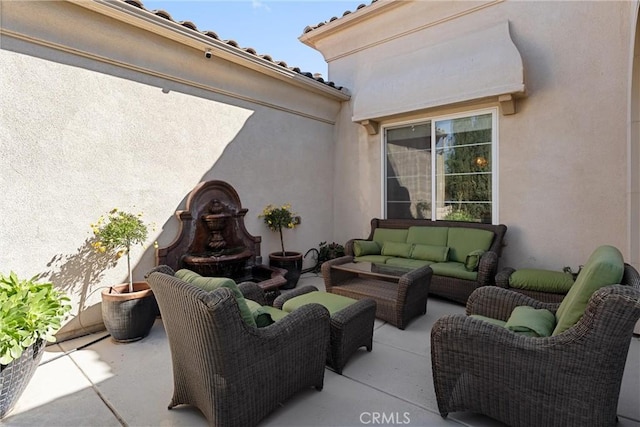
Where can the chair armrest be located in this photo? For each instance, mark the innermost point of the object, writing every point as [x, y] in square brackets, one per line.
[498, 303]
[252, 291]
[164, 269]
[502, 278]
[281, 299]
[487, 268]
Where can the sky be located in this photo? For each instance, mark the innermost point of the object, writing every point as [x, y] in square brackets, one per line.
[271, 27]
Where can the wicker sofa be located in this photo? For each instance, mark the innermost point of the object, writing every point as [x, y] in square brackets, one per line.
[462, 255]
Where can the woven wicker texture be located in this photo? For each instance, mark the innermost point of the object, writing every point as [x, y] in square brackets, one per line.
[572, 379]
[448, 287]
[396, 302]
[233, 373]
[15, 376]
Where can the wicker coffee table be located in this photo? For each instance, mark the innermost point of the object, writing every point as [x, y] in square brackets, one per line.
[400, 294]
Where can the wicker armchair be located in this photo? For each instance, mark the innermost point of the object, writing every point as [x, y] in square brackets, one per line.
[570, 379]
[233, 373]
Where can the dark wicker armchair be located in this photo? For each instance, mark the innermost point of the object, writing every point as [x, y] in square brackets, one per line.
[570, 379]
[234, 373]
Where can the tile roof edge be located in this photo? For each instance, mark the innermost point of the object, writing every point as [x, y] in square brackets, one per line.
[310, 28]
[263, 59]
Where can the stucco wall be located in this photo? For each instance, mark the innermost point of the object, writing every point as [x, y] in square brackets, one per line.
[563, 157]
[81, 135]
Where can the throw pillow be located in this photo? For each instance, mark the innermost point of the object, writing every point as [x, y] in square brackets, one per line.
[533, 322]
[260, 314]
[473, 260]
[430, 252]
[365, 247]
[213, 283]
[402, 250]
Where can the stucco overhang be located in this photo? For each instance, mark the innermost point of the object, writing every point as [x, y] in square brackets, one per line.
[482, 64]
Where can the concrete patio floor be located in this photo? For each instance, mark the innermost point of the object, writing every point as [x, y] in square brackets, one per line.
[92, 381]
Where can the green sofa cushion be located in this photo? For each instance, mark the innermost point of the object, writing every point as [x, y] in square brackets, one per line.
[410, 264]
[213, 283]
[366, 247]
[382, 235]
[260, 315]
[396, 249]
[426, 235]
[463, 241]
[489, 319]
[430, 252]
[473, 260]
[532, 279]
[332, 302]
[453, 269]
[376, 259]
[531, 322]
[275, 313]
[604, 267]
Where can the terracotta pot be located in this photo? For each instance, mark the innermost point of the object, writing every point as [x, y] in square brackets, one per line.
[290, 261]
[129, 316]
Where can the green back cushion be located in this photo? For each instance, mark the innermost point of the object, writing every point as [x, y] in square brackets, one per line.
[382, 235]
[473, 260]
[213, 283]
[604, 267]
[260, 315]
[462, 241]
[366, 247]
[531, 322]
[532, 279]
[331, 302]
[430, 252]
[402, 250]
[426, 235]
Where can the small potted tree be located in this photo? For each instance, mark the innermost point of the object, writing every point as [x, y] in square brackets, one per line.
[30, 314]
[277, 218]
[128, 310]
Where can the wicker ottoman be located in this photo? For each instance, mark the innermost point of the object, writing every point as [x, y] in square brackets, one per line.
[351, 321]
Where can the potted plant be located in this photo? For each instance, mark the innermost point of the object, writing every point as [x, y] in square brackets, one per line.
[128, 310]
[30, 314]
[277, 218]
[325, 252]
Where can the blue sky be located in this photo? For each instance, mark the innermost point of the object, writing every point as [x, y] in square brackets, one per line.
[271, 27]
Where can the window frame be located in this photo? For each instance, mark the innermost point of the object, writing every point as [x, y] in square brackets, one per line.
[433, 119]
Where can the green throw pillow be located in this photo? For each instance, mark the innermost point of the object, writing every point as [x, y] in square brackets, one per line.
[402, 250]
[473, 260]
[260, 314]
[531, 322]
[366, 247]
[430, 252]
[213, 283]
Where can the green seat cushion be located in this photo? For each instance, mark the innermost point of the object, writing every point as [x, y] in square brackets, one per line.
[489, 319]
[332, 302]
[260, 315]
[472, 261]
[366, 247]
[430, 252]
[397, 249]
[213, 283]
[426, 235]
[275, 313]
[409, 264]
[604, 267]
[376, 259]
[453, 269]
[382, 235]
[532, 279]
[463, 241]
[531, 322]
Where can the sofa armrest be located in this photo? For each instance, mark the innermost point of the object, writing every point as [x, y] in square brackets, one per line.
[502, 278]
[348, 247]
[487, 268]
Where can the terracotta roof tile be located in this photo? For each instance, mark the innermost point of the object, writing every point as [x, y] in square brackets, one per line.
[346, 12]
[190, 25]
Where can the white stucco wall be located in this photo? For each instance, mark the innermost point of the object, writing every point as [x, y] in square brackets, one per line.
[563, 157]
[86, 126]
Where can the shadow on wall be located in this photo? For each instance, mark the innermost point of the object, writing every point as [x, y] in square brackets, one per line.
[76, 274]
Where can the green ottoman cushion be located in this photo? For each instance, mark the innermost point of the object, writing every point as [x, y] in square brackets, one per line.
[532, 279]
[605, 267]
[331, 302]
